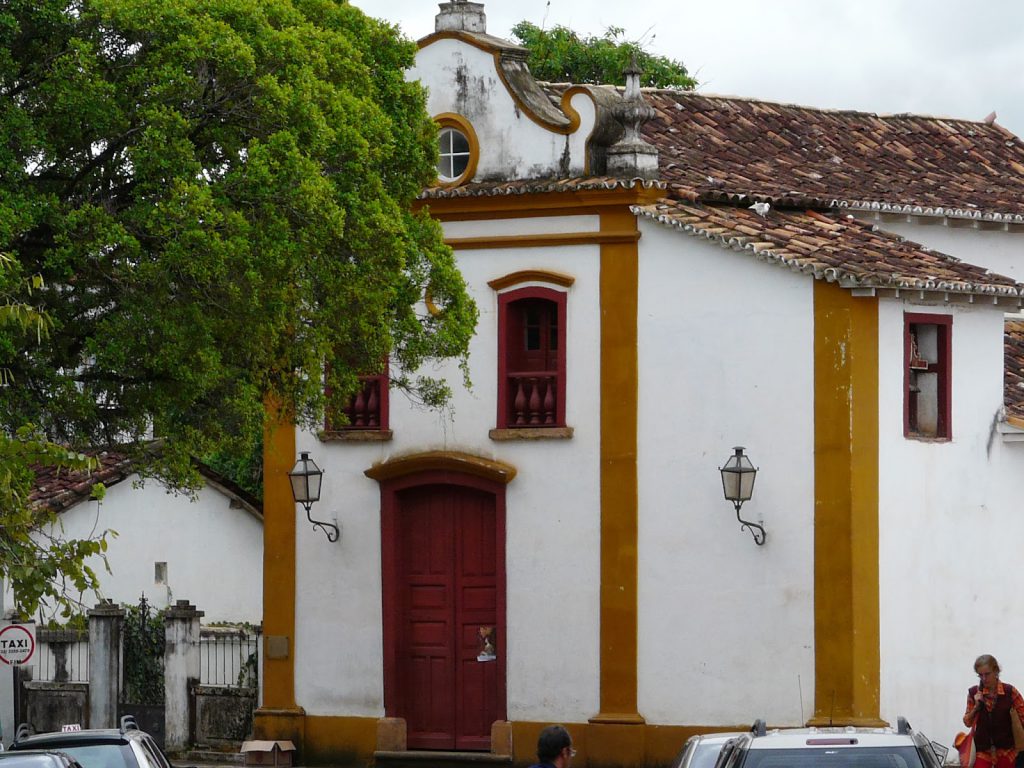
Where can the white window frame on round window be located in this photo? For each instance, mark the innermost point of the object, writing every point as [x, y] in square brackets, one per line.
[455, 166]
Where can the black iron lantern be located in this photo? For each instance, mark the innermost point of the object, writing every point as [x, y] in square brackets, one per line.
[738, 476]
[305, 478]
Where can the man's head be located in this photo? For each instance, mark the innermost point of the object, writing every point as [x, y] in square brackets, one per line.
[555, 745]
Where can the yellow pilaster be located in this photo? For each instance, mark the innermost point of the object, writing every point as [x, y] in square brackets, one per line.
[613, 733]
[846, 621]
[279, 717]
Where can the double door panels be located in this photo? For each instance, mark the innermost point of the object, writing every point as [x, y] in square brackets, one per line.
[451, 662]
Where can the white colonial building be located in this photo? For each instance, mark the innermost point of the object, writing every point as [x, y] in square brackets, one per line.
[661, 276]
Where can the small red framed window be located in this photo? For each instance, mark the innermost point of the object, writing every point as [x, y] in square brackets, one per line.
[367, 410]
[927, 376]
[531, 358]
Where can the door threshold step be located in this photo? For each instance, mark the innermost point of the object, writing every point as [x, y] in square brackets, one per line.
[434, 759]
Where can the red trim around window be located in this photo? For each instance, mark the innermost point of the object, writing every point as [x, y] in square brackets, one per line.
[943, 367]
[505, 374]
[369, 408]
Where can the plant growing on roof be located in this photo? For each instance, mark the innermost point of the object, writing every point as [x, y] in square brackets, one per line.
[561, 55]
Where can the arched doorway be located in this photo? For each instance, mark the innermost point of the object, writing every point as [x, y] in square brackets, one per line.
[443, 574]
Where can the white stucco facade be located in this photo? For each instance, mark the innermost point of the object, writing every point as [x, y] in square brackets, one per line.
[552, 518]
[212, 552]
[463, 79]
[718, 613]
[945, 510]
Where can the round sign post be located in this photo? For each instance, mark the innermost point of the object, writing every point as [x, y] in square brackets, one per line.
[17, 644]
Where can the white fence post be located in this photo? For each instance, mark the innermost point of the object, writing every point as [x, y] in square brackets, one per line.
[181, 671]
[104, 662]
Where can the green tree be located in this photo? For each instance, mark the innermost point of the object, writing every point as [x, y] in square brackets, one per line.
[43, 565]
[560, 55]
[215, 196]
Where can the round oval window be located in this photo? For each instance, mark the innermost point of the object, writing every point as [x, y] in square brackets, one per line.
[453, 159]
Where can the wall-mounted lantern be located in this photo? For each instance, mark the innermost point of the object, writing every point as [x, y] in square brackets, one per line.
[305, 478]
[738, 485]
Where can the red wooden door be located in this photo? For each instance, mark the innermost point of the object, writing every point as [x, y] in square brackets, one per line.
[450, 688]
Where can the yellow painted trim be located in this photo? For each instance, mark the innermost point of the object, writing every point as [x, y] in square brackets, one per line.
[1015, 421]
[644, 745]
[445, 461]
[287, 724]
[584, 201]
[574, 117]
[846, 602]
[278, 555]
[459, 123]
[540, 241]
[531, 276]
[619, 287]
[339, 740]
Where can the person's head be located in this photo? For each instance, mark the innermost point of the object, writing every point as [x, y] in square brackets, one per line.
[987, 668]
[554, 743]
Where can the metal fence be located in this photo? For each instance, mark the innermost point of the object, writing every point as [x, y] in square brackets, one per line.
[229, 657]
[62, 656]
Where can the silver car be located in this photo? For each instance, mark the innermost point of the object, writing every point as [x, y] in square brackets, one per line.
[701, 751]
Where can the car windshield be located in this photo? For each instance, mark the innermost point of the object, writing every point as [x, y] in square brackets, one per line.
[100, 755]
[705, 754]
[834, 757]
[28, 760]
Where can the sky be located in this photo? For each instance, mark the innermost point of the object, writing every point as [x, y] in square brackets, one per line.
[944, 58]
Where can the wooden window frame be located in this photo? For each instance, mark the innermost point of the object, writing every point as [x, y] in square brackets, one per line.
[505, 300]
[383, 382]
[943, 367]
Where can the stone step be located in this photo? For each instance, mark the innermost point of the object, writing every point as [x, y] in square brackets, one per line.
[431, 759]
[211, 756]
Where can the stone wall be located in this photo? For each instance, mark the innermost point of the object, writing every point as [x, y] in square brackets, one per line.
[223, 715]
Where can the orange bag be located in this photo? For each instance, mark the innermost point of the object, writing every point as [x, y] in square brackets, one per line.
[964, 743]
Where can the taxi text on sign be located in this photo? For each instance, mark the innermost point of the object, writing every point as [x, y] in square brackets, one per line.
[17, 644]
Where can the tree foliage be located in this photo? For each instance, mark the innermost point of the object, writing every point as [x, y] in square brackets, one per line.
[561, 55]
[44, 566]
[210, 202]
[216, 195]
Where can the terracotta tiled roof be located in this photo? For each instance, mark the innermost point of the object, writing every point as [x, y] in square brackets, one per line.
[831, 246]
[59, 489]
[1014, 369]
[725, 146]
[536, 186]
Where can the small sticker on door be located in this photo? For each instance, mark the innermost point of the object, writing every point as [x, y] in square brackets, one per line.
[485, 635]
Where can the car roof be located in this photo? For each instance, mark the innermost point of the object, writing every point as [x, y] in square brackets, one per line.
[836, 738]
[715, 738]
[88, 736]
[39, 758]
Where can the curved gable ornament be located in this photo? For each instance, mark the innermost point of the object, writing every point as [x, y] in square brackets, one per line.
[442, 461]
[510, 66]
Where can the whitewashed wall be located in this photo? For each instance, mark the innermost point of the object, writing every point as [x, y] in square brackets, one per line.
[552, 517]
[461, 78]
[726, 357]
[214, 553]
[997, 250]
[950, 527]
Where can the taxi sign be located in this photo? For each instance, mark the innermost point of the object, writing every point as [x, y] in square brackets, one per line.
[71, 728]
[17, 644]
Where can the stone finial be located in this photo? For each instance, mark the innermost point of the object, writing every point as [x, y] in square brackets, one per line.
[631, 156]
[461, 15]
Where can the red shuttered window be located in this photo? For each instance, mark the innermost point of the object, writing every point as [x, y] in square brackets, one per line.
[531, 358]
[927, 376]
[367, 410]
